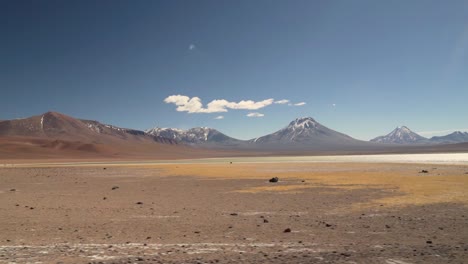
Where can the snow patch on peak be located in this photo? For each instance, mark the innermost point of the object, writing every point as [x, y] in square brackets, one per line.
[42, 122]
[303, 123]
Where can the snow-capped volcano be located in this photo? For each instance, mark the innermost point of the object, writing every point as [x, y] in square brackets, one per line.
[197, 135]
[305, 131]
[400, 135]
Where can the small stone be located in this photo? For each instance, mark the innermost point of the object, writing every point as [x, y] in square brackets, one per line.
[274, 179]
[12, 190]
[429, 242]
[139, 203]
[265, 221]
[234, 214]
[287, 230]
[115, 187]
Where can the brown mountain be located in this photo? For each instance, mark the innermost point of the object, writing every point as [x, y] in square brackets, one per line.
[55, 125]
[55, 135]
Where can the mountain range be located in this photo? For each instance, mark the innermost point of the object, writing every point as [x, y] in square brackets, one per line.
[404, 135]
[52, 132]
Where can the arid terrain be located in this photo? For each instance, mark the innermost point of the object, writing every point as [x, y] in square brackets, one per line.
[226, 212]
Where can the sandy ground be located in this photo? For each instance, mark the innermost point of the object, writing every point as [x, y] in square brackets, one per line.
[231, 213]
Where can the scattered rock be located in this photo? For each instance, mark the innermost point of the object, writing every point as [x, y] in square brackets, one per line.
[104, 168]
[429, 242]
[287, 230]
[115, 187]
[424, 171]
[274, 179]
[139, 203]
[234, 214]
[265, 221]
[104, 198]
[12, 190]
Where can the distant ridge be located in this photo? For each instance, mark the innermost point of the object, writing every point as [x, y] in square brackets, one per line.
[197, 135]
[455, 137]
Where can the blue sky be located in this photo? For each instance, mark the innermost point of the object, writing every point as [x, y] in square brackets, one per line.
[360, 67]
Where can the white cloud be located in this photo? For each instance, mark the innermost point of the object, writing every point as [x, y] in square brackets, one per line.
[219, 117]
[300, 104]
[194, 104]
[284, 101]
[255, 114]
[192, 47]
[333, 105]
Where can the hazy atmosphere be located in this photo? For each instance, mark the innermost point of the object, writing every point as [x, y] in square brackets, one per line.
[246, 68]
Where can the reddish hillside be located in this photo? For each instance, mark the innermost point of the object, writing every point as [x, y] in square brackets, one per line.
[53, 125]
[57, 135]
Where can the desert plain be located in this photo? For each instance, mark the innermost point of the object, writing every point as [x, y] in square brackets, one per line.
[227, 211]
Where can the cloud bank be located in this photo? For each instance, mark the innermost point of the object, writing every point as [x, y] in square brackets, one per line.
[195, 105]
[255, 114]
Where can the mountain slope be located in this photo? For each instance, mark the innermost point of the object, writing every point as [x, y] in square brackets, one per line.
[401, 135]
[455, 137]
[195, 136]
[55, 125]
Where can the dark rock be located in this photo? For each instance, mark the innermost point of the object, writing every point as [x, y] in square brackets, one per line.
[234, 214]
[115, 187]
[139, 203]
[274, 179]
[104, 168]
[12, 190]
[428, 242]
[424, 171]
[287, 230]
[265, 221]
